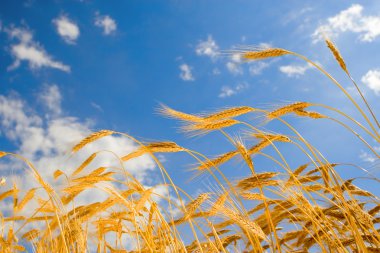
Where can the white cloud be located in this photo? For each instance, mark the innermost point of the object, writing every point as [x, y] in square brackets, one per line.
[186, 74]
[208, 48]
[228, 91]
[30, 51]
[366, 157]
[107, 23]
[96, 106]
[51, 97]
[234, 65]
[216, 71]
[350, 20]
[372, 80]
[234, 68]
[296, 14]
[294, 70]
[257, 67]
[67, 29]
[46, 142]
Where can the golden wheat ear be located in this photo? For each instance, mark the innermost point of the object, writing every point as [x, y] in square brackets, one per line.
[91, 138]
[228, 113]
[342, 64]
[264, 54]
[171, 113]
[338, 57]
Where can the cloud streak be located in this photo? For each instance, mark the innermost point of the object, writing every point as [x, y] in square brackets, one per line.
[228, 91]
[27, 50]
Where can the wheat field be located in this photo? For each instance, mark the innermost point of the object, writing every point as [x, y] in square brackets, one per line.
[307, 208]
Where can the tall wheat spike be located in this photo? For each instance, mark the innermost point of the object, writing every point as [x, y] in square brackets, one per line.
[91, 138]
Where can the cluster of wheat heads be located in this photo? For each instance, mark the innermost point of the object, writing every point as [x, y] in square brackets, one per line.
[309, 208]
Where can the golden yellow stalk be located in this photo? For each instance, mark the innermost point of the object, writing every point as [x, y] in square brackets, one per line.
[15, 195]
[314, 187]
[28, 196]
[193, 205]
[373, 250]
[219, 202]
[84, 164]
[262, 179]
[313, 115]
[337, 55]
[264, 54]
[31, 234]
[218, 232]
[179, 115]
[300, 169]
[244, 222]
[230, 239]
[308, 179]
[91, 138]
[95, 179]
[210, 126]
[15, 218]
[245, 154]
[252, 196]
[163, 147]
[288, 109]
[360, 192]
[57, 174]
[229, 113]
[154, 147]
[271, 137]
[142, 201]
[374, 210]
[218, 160]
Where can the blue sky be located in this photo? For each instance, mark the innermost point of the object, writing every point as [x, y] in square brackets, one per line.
[72, 67]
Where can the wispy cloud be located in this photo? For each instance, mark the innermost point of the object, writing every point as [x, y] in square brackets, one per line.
[207, 48]
[107, 23]
[96, 106]
[256, 68]
[350, 20]
[67, 29]
[51, 98]
[371, 158]
[294, 70]
[372, 80]
[30, 51]
[234, 64]
[216, 71]
[186, 74]
[228, 91]
[295, 14]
